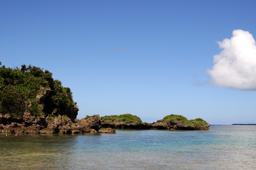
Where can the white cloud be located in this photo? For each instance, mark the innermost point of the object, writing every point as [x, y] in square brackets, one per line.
[235, 66]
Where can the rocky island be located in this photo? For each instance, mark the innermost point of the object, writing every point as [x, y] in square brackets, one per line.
[169, 122]
[32, 102]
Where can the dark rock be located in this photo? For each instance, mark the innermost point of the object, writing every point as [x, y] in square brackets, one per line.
[31, 124]
[108, 130]
[93, 122]
[123, 125]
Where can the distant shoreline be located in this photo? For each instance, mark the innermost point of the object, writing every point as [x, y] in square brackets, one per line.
[244, 124]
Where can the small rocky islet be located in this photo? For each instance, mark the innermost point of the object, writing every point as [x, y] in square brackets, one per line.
[32, 102]
[169, 122]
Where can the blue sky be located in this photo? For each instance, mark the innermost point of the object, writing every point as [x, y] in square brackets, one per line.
[146, 57]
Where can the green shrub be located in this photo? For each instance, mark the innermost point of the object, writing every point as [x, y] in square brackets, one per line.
[127, 118]
[87, 117]
[109, 118]
[194, 122]
[199, 122]
[35, 109]
[65, 117]
[50, 117]
[189, 123]
[108, 121]
[172, 118]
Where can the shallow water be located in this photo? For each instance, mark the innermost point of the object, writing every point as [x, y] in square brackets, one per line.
[222, 147]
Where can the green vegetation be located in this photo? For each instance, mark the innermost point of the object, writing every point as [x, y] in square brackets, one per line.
[65, 117]
[19, 88]
[172, 118]
[109, 119]
[194, 122]
[127, 118]
[61, 117]
[199, 122]
[145, 123]
[35, 108]
[87, 117]
[50, 117]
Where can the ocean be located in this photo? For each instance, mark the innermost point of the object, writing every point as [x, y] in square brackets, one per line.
[221, 147]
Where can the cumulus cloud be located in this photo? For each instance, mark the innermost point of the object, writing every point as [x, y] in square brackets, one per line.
[235, 66]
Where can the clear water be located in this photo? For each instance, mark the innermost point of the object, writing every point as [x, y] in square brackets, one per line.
[222, 147]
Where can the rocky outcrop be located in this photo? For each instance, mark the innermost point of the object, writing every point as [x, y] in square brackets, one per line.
[159, 125]
[108, 130]
[177, 125]
[47, 121]
[32, 102]
[62, 124]
[169, 122]
[123, 125]
[30, 124]
[93, 122]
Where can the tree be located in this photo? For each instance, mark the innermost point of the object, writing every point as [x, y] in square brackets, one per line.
[20, 87]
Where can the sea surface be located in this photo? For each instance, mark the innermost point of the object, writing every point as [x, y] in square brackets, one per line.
[222, 147]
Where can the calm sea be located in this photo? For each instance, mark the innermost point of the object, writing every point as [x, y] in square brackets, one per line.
[222, 147]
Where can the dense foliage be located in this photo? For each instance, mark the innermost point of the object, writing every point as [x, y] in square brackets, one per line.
[19, 88]
[126, 118]
[194, 122]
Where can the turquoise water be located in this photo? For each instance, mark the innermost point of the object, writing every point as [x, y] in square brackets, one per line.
[222, 147]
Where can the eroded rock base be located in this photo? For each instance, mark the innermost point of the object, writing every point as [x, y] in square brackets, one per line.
[30, 124]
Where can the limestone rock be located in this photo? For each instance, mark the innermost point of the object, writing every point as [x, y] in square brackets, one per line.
[93, 122]
[108, 130]
[30, 124]
[159, 125]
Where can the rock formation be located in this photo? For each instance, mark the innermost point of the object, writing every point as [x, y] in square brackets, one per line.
[32, 102]
[176, 125]
[123, 125]
[107, 130]
[30, 124]
[159, 125]
[170, 122]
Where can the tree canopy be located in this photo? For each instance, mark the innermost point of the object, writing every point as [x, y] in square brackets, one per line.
[19, 88]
